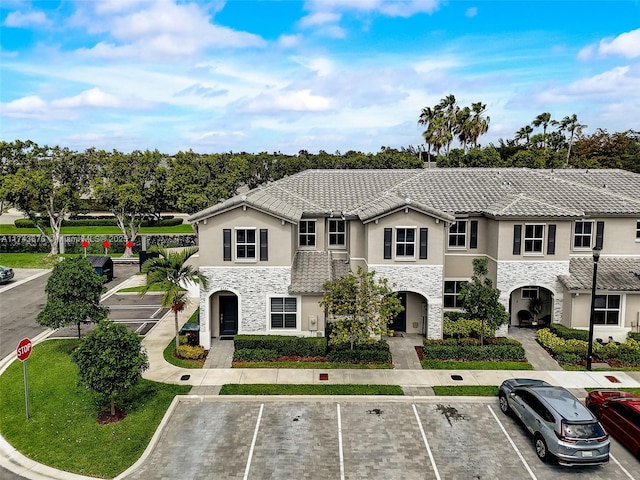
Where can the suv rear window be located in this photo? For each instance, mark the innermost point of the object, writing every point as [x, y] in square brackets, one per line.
[582, 430]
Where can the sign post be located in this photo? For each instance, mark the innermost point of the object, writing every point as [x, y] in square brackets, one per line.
[23, 351]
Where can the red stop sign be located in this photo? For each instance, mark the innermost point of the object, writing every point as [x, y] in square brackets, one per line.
[24, 349]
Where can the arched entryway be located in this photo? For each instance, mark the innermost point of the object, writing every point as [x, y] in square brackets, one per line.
[531, 306]
[413, 319]
[224, 314]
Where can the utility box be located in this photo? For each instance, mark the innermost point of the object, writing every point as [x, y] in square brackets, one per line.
[102, 266]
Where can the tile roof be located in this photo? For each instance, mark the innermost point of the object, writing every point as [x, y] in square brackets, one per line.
[309, 271]
[495, 192]
[614, 274]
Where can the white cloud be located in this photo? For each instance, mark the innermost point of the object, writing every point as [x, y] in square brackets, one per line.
[626, 44]
[19, 19]
[390, 8]
[471, 12]
[294, 101]
[289, 41]
[319, 18]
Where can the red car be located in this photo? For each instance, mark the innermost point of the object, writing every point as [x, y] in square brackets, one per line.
[619, 414]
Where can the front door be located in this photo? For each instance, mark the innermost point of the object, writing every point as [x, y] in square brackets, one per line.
[228, 315]
[399, 324]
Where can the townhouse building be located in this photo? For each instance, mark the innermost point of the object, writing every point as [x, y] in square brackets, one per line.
[268, 252]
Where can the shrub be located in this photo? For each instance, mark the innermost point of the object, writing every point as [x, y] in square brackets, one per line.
[284, 345]
[508, 352]
[569, 333]
[255, 355]
[190, 353]
[570, 358]
[100, 221]
[372, 344]
[463, 327]
[634, 336]
[359, 356]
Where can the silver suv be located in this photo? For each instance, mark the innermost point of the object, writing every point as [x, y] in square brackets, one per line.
[561, 426]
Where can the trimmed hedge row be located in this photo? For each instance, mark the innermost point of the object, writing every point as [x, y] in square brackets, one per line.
[359, 356]
[509, 350]
[284, 345]
[569, 333]
[255, 355]
[101, 222]
[634, 336]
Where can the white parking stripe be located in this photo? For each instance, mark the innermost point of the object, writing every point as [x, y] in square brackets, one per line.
[524, 462]
[253, 443]
[426, 443]
[621, 467]
[340, 444]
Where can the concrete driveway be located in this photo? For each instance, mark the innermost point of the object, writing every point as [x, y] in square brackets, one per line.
[353, 438]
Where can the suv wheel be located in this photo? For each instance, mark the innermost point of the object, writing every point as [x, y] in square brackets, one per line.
[504, 403]
[541, 448]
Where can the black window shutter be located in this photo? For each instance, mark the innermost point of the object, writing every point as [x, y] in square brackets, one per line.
[551, 240]
[226, 244]
[599, 235]
[517, 239]
[473, 239]
[264, 244]
[424, 236]
[387, 242]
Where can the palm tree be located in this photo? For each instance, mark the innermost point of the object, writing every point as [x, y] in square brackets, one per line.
[479, 122]
[543, 119]
[448, 109]
[523, 134]
[571, 125]
[171, 272]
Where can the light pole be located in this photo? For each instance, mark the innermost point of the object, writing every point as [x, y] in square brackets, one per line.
[596, 257]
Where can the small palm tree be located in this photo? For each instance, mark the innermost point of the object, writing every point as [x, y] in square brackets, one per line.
[171, 272]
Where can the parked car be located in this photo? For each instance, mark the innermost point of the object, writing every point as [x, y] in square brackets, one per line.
[6, 274]
[562, 427]
[619, 414]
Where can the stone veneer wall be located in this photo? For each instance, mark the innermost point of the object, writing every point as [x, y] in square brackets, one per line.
[252, 285]
[425, 280]
[512, 275]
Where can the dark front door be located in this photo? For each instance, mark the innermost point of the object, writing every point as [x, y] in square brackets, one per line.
[399, 324]
[228, 315]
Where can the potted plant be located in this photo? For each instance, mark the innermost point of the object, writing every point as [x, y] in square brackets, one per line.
[535, 307]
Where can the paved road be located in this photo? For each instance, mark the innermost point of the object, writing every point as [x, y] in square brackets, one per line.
[331, 439]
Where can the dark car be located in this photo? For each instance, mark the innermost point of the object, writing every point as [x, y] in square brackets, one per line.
[619, 413]
[562, 427]
[6, 274]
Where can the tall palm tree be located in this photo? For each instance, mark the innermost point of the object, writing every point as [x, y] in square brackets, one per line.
[171, 272]
[543, 119]
[524, 134]
[427, 116]
[479, 122]
[463, 127]
[448, 108]
[571, 125]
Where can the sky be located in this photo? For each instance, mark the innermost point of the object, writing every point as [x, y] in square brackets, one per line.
[283, 76]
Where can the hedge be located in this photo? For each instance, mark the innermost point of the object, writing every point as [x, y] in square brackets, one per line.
[370, 345]
[495, 352]
[100, 222]
[569, 333]
[255, 355]
[464, 328]
[285, 345]
[634, 336]
[190, 353]
[359, 356]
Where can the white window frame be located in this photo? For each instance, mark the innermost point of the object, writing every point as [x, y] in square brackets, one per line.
[405, 243]
[330, 232]
[307, 235]
[598, 308]
[246, 244]
[271, 312]
[583, 235]
[534, 239]
[530, 290]
[458, 235]
[457, 287]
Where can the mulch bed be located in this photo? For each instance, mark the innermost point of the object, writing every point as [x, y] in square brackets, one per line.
[105, 417]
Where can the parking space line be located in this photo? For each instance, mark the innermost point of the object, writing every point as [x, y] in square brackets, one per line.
[426, 443]
[621, 467]
[524, 462]
[253, 443]
[340, 451]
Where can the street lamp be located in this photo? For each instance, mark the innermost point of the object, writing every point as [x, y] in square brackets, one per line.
[596, 257]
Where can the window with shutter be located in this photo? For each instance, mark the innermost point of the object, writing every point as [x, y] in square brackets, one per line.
[264, 245]
[387, 242]
[473, 234]
[517, 239]
[551, 240]
[599, 235]
[424, 238]
[226, 244]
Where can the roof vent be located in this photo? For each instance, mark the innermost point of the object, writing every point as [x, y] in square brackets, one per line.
[407, 201]
[243, 197]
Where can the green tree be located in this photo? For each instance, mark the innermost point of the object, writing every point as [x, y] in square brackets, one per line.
[359, 306]
[171, 272]
[573, 128]
[543, 119]
[481, 301]
[73, 295]
[110, 360]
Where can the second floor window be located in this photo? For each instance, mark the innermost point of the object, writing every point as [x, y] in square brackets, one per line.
[245, 244]
[458, 234]
[337, 233]
[582, 234]
[533, 238]
[451, 296]
[638, 230]
[405, 242]
[607, 310]
[307, 233]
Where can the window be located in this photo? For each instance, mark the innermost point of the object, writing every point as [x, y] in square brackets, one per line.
[452, 293]
[405, 242]
[337, 233]
[458, 234]
[638, 230]
[582, 234]
[529, 292]
[284, 312]
[307, 233]
[245, 244]
[606, 310]
[533, 238]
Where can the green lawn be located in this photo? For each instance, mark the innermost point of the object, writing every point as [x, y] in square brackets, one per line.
[268, 389]
[466, 390]
[8, 229]
[473, 365]
[35, 260]
[62, 431]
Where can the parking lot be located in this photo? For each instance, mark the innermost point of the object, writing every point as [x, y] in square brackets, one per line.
[327, 438]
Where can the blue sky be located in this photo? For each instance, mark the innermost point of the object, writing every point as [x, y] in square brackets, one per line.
[254, 76]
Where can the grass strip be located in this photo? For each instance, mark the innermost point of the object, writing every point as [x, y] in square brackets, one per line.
[466, 390]
[312, 365]
[473, 365]
[62, 430]
[279, 389]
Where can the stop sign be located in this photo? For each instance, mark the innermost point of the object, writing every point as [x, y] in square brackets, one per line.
[24, 349]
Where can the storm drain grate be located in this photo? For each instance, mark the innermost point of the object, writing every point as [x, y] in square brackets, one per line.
[185, 377]
[456, 377]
